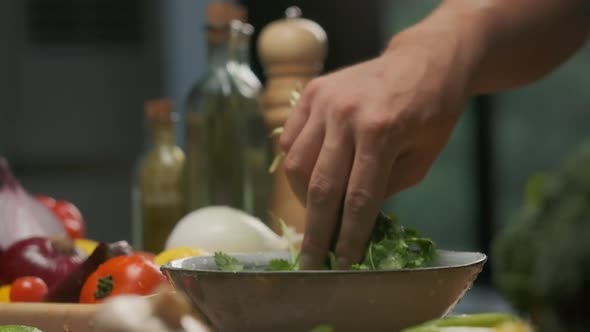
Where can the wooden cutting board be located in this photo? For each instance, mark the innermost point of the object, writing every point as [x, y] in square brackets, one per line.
[50, 317]
[72, 317]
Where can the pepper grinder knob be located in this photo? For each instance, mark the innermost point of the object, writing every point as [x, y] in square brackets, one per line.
[293, 46]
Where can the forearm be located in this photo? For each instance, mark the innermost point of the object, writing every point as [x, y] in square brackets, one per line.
[508, 43]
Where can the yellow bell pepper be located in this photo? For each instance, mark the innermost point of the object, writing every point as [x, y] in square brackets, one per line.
[4, 293]
[86, 245]
[171, 254]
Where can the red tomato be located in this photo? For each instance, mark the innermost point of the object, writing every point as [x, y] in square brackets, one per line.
[28, 289]
[132, 274]
[67, 213]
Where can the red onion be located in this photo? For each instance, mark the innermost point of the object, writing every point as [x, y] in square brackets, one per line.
[48, 259]
[21, 215]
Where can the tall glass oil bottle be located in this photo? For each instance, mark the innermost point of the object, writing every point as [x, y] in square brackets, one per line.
[159, 193]
[258, 145]
[228, 145]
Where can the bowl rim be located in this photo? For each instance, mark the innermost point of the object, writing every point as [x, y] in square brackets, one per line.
[479, 259]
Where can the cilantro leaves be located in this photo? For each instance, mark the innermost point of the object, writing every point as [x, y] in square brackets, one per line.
[392, 246]
[225, 262]
[280, 265]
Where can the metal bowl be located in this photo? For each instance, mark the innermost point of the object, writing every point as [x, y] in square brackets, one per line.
[257, 300]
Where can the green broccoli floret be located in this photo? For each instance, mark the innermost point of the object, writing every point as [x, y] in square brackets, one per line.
[542, 258]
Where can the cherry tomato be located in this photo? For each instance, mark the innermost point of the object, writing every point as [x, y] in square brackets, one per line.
[67, 213]
[28, 289]
[132, 274]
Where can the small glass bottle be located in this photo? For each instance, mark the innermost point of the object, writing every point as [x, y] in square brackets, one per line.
[228, 145]
[159, 193]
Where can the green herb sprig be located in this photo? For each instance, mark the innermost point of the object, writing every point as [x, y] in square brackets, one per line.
[227, 263]
[392, 246]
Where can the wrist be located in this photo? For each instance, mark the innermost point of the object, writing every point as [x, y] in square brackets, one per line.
[457, 36]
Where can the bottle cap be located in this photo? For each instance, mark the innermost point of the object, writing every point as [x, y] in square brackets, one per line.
[219, 17]
[220, 14]
[159, 110]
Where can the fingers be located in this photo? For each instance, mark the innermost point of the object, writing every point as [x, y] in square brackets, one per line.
[367, 188]
[326, 191]
[302, 156]
[364, 197]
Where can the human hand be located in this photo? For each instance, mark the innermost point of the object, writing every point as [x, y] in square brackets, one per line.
[364, 133]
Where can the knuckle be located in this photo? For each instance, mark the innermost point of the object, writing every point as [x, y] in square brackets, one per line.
[376, 127]
[358, 201]
[380, 129]
[343, 111]
[285, 142]
[293, 166]
[321, 189]
[312, 87]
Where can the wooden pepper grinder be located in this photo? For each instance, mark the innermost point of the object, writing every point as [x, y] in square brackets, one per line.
[292, 51]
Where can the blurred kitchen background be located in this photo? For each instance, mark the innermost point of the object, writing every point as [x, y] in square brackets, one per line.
[75, 75]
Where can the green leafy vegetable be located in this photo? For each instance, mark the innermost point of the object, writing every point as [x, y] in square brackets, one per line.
[292, 249]
[541, 259]
[18, 328]
[331, 261]
[359, 267]
[280, 265]
[225, 262]
[392, 246]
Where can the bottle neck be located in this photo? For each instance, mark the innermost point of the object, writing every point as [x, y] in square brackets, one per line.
[235, 48]
[238, 46]
[218, 54]
[243, 51]
[163, 134]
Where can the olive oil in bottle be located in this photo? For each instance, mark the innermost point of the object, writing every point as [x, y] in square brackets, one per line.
[228, 145]
[159, 185]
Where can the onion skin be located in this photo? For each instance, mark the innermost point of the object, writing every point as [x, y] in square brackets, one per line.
[21, 215]
[49, 259]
